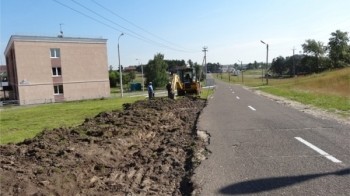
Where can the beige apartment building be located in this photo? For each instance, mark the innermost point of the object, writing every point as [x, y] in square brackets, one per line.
[54, 69]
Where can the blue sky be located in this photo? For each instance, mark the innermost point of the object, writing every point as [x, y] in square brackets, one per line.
[231, 29]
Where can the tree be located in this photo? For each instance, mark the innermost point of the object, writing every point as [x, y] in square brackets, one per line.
[112, 78]
[339, 50]
[213, 67]
[278, 65]
[313, 47]
[249, 66]
[198, 71]
[173, 65]
[156, 71]
[132, 75]
[190, 63]
[317, 50]
[256, 65]
[128, 77]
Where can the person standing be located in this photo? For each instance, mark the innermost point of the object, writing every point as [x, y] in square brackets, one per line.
[170, 92]
[150, 91]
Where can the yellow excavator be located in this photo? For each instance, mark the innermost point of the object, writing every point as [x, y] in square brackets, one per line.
[185, 82]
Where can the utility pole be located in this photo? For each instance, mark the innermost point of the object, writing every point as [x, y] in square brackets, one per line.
[143, 82]
[120, 69]
[293, 63]
[267, 64]
[205, 49]
[267, 61]
[241, 70]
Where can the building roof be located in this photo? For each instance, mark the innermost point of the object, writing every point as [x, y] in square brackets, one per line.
[27, 38]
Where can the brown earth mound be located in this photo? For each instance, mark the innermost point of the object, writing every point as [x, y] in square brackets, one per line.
[147, 149]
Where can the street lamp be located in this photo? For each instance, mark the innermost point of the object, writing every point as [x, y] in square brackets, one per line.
[241, 69]
[267, 61]
[120, 69]
[143, 83]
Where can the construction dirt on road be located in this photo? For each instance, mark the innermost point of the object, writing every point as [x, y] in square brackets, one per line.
[149, 148]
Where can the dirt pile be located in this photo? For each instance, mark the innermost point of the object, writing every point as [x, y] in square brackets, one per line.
[147, 149]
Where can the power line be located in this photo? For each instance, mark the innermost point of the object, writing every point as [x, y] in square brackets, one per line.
[64, 5]
[132, 34]
[133, 24]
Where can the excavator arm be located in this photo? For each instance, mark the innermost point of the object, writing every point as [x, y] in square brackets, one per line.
[176, 83]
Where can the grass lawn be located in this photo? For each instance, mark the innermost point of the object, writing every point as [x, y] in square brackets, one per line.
[18, 123]
[206, 92]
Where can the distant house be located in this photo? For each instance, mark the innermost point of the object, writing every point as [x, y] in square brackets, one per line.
[130, 69]
[54, 69]
[3, 81]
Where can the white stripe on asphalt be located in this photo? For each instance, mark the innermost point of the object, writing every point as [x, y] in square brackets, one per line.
[233, 92]
[315, 148]
[237, 97]
[252, 108]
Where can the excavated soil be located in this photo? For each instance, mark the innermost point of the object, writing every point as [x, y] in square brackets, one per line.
[148, 148]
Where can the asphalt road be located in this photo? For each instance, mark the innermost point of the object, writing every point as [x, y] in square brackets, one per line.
[260, 147]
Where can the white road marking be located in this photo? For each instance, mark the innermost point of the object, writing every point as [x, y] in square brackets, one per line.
[252, 108]
[315, 148]
[233, 92]
[237, 97]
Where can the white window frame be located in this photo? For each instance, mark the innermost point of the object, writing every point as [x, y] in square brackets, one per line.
[55, 53]
[57, 88]
[56, 73]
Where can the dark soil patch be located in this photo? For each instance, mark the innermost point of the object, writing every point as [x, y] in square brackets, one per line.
[147, 149]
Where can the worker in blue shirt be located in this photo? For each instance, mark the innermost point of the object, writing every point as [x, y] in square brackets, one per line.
[150, 91]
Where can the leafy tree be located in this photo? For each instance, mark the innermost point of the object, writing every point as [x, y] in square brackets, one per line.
[256, 65]
[316, 49]
[156, 71]
[132, 75]
[113, 78]
[296, 61]
[128, 77]
[173, 65]
[250, 66]
[190, 63]
[198, 71]
[339, 50]
[213, 67]
[278, 65]
[313, 47]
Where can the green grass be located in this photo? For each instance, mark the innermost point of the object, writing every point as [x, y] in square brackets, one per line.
[332, 103]
[329, 90]
[18, 123]
[206, 92]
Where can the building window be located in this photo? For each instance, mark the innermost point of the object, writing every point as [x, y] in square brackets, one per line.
[56, 71]
[55, 53]
[58, 89]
